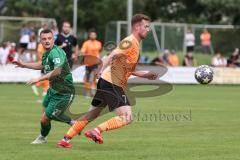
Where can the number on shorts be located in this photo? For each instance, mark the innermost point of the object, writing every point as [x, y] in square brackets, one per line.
[125, 98]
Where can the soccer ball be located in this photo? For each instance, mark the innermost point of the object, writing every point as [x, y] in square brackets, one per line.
[204, 74]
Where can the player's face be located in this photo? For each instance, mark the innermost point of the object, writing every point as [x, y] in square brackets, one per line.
[66, 28]
[47, 40]
[144, 28]
[92, 35]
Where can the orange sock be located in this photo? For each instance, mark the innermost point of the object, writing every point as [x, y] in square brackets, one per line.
[76, 128]
[113, 123]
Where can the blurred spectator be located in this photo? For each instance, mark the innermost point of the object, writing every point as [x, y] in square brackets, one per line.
[25, 33]
[55, 31]
[234, 60]
[40, 52]
[157, 61]
[189, 40]
[165, 57]
[189, 60]
[44, 26]
[173, 59]
[219, 61]
[162, 59]
[4, 51]
[32, 46]
[12, 53]
[68, 43]
[144, 59]
[206, 41]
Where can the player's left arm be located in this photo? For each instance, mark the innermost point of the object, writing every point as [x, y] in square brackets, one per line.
[58, 60]
[106, 62]
[47, 76]
[145, 74]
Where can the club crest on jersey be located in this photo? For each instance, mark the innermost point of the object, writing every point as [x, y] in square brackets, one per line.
[56, 60]
[125, 44]
[46, 68]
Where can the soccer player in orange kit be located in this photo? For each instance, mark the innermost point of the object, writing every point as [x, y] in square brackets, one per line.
[114, 73]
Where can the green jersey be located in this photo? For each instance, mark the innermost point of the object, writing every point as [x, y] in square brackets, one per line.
[56, 58]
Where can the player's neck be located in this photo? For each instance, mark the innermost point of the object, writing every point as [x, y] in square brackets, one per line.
[48, 49]
[136, 35]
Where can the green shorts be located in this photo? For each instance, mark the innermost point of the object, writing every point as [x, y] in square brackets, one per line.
[56, 104]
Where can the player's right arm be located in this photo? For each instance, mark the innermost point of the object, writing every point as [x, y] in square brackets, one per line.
[145, 74]
[33, 65]
[106, 62]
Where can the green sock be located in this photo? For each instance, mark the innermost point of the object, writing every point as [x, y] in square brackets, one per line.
[45, 129]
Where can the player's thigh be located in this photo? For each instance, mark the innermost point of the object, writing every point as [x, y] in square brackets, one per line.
[47, 98]
[58, 104]
[92, 113]
[99, 100]
[116, 98]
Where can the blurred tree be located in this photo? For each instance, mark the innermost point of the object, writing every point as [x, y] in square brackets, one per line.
[96, 14]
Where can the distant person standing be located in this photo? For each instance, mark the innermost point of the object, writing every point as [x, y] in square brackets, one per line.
[206, 41]
[91, 48]
[189, 40]
[68, 43]
[4, 51]
[25, 33]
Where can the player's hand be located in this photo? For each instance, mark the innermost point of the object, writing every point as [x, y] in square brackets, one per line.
[19, 64]
[64, 45]
[151, 75]
[74, 57]
[98, 75]
[32, 81]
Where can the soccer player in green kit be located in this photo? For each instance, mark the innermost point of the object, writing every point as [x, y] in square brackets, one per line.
[61, 92]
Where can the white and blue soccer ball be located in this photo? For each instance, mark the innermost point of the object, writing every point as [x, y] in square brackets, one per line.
[204, 74]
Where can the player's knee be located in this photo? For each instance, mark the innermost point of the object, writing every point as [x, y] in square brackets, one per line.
[127, 118]
[45, 120]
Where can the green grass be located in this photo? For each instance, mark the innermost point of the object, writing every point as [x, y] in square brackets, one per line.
[210, 133]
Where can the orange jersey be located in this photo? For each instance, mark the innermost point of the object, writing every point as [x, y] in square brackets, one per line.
[40, 51]
[205, 38]
[123, 63]
[92, 48]
[173, 60]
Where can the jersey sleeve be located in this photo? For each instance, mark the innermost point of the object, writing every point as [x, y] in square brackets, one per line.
[58, 58]
[124, 47]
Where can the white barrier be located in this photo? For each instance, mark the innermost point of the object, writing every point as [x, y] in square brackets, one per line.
[9, 73]
[174, 75]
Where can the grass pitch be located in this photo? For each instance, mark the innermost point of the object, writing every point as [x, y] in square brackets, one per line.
[192, 122]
